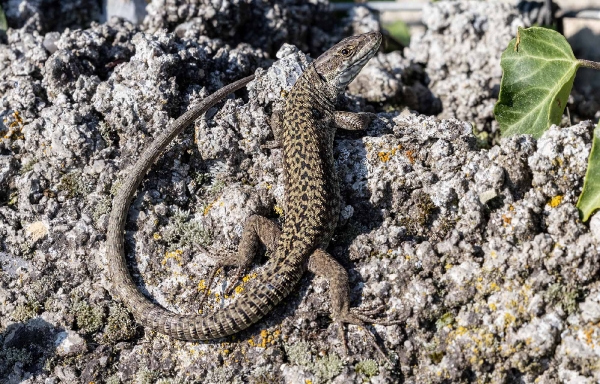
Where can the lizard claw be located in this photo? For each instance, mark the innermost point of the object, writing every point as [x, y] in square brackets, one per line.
[360, 318]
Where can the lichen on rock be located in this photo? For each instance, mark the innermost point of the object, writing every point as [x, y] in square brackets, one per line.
[480, 252]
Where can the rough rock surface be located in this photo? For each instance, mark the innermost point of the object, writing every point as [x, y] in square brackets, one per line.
[462, 47]
[480, 252]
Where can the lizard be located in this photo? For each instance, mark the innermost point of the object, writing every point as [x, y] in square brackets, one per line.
[312, 198]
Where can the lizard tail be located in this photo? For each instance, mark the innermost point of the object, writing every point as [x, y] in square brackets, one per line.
[123, 285]
[250, 306]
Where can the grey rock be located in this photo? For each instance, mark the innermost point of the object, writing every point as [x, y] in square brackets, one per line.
[69, 343]
[479, 252]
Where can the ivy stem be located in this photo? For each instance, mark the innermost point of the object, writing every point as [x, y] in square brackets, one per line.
[589, 64]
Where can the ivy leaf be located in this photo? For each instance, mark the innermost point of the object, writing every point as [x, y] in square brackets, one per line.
[589, 200]
[538, 72]
[3, 23]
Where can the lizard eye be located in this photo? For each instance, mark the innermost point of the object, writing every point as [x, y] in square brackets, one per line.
[346, 51]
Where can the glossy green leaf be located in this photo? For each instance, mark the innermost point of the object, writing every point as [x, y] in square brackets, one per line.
[589, 200]
[538, 72]
[3, 23]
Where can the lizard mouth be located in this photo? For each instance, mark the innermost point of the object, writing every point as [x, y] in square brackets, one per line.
[370, 49]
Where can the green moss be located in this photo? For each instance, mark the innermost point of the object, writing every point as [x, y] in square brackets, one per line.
[168, 380]
[299, 354]
[200, 178]
[217, 187]
[28, 167]
[483, 138]
[73, 184]
[566, 296]
[89, 318]
[328, 367]
[367, 367]
[102, 207]
[324, 368]
[446, 319]
[145, 376]
[24, 312]
[264, 375]
[119, 325]
[114, 188]
[184, 232]
[223, 375]
[114, 379]
[437, 356]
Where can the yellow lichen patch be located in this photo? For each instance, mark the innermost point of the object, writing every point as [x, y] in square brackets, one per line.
[588, 333]
[264, 335]
[208, 207]
[488, 339]
[239, 289]
[247, 278]
[385, 156]
[157, 236]
[278, 210]
[555, 201]
[265, 338]
[174, 255]
[217, 297]
[492, 306]
[202, 285]
[14, 128]
[506, 219]
[410, 155]
[307, 381]
[509, 319]
[37, 230]
[494, 286]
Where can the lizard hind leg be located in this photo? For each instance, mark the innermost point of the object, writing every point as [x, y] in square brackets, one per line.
[256, 229]
[323, 264]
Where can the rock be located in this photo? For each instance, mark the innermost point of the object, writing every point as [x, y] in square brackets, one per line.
[69, 343]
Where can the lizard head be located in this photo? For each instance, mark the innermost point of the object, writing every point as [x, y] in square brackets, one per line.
[340, 64]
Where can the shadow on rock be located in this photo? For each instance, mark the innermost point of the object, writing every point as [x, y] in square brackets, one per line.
[25, 348]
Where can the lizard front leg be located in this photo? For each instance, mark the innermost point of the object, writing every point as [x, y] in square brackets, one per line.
[323, 264]
[276, 124]
[256, 229]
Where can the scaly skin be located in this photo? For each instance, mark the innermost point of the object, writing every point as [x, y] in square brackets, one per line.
[312, 200]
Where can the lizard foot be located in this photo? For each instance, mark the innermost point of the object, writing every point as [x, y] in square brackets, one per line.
[361, 317]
